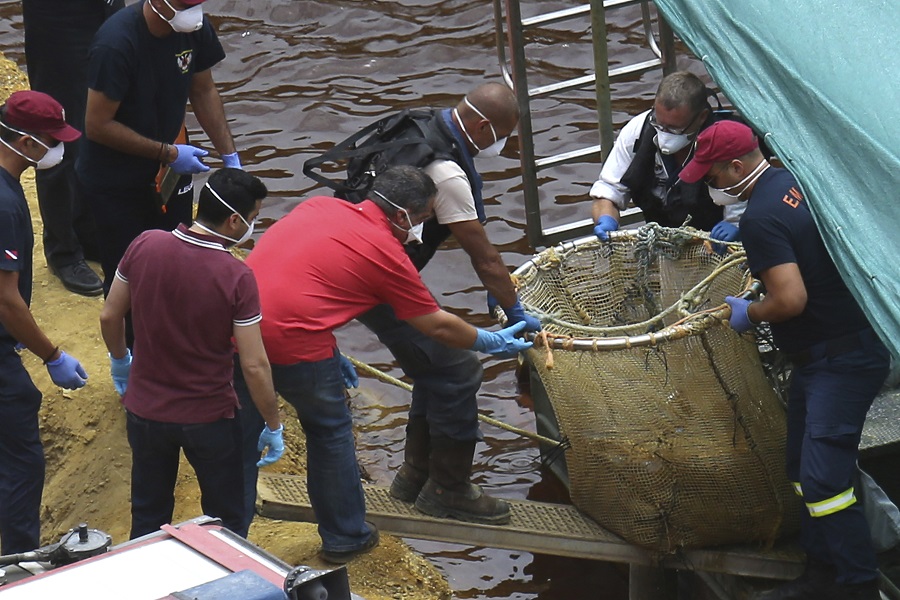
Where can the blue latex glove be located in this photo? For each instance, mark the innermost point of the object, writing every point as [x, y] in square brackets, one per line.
[274, 441]
[725, 231]
[348, 372]
[67, 372]
[517, 314]
[232, 161]
[188, 160]
[740, 318]
[604, 225]
[501, 342]
[119, 368]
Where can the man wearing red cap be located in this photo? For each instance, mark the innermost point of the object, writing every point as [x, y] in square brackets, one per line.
[839, 362]
[146, 62]
[32, 133]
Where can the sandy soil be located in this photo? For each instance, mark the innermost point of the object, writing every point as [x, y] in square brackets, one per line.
[88, 458]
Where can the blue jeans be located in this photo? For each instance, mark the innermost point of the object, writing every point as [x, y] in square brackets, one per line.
[21, 456]
[827, 406]
[316, 391]
[446, 380]
[214, 451]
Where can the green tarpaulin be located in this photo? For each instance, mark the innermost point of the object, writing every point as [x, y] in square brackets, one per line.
[820, 79]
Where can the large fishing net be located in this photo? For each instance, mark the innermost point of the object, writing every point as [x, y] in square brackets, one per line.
[674, 433]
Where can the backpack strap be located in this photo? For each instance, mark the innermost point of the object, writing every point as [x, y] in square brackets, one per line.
[348, 149]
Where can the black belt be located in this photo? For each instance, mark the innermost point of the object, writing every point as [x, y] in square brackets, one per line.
[831, 348]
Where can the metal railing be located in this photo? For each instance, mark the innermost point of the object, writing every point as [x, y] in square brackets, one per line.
[511, 51]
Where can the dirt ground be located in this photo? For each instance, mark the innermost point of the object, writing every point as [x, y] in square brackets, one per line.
[88, 458]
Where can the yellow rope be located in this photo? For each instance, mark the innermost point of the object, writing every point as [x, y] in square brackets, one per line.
[484, 419]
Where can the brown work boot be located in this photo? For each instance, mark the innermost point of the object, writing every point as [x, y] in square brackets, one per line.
[448, 491]
[413, 472]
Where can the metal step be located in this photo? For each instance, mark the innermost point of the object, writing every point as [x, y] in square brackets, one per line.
[537, 527]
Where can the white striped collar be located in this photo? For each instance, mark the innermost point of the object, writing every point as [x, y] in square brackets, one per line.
[188, 236]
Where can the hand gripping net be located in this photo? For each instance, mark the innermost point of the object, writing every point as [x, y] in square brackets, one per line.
[676, 434]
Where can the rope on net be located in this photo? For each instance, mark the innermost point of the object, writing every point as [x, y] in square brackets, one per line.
[379, 374]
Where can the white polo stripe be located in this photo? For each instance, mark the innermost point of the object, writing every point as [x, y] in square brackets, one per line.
[197, 242]
[250, 321]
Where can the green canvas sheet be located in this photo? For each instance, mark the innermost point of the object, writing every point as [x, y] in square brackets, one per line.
[820, 79]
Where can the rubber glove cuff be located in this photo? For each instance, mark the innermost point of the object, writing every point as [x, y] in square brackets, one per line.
[740, 317]
[274, 441]
[605, 224]
[516, 314]
[120, 368]
[232, 161]
[348, 372]
[501, 342]
[67, 372]
[188, 162]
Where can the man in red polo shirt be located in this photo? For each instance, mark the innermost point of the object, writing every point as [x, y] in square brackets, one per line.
[188, 298]
[319, 267]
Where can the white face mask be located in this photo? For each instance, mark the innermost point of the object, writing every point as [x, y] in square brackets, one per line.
[722, 197]
[243, 238]
[670, 143]
[52, 157]
[415, 234]
[184, 21]
[493, 150]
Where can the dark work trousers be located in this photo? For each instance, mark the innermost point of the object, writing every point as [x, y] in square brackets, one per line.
[122, 214]
[214, 451]
[827, 405]
[58, 34]
[21, 455]
[445, 380]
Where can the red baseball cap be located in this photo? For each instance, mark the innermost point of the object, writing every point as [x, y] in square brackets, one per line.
[36, 112]
[721, 141]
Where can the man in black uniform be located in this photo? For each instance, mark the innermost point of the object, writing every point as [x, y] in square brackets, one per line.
[33, 131]
[146, 62]
[839, 362]
[649, 153]
[58, 34]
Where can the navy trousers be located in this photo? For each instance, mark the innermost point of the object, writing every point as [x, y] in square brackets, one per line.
[21, 456]
[58, 35]
[827, 406]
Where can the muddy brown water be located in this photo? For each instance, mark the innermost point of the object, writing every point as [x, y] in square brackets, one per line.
[302, 74]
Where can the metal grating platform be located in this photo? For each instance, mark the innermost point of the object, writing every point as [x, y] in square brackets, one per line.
[534, 527]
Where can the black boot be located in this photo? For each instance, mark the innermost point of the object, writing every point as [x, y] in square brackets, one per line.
[816, 583]
[413, 472]
[448, 491]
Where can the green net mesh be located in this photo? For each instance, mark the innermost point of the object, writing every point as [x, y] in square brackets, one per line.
[676, 435]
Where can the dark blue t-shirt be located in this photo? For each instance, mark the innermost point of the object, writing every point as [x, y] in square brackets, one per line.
[778, 229]
[16, 239]
[151, 78]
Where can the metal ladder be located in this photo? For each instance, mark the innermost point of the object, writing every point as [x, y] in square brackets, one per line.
[514, 68]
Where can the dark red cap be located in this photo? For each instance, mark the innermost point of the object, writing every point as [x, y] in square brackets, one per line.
[721, 141]
[36, 112]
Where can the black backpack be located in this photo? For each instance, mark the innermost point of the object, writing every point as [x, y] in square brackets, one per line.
[401, 139]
